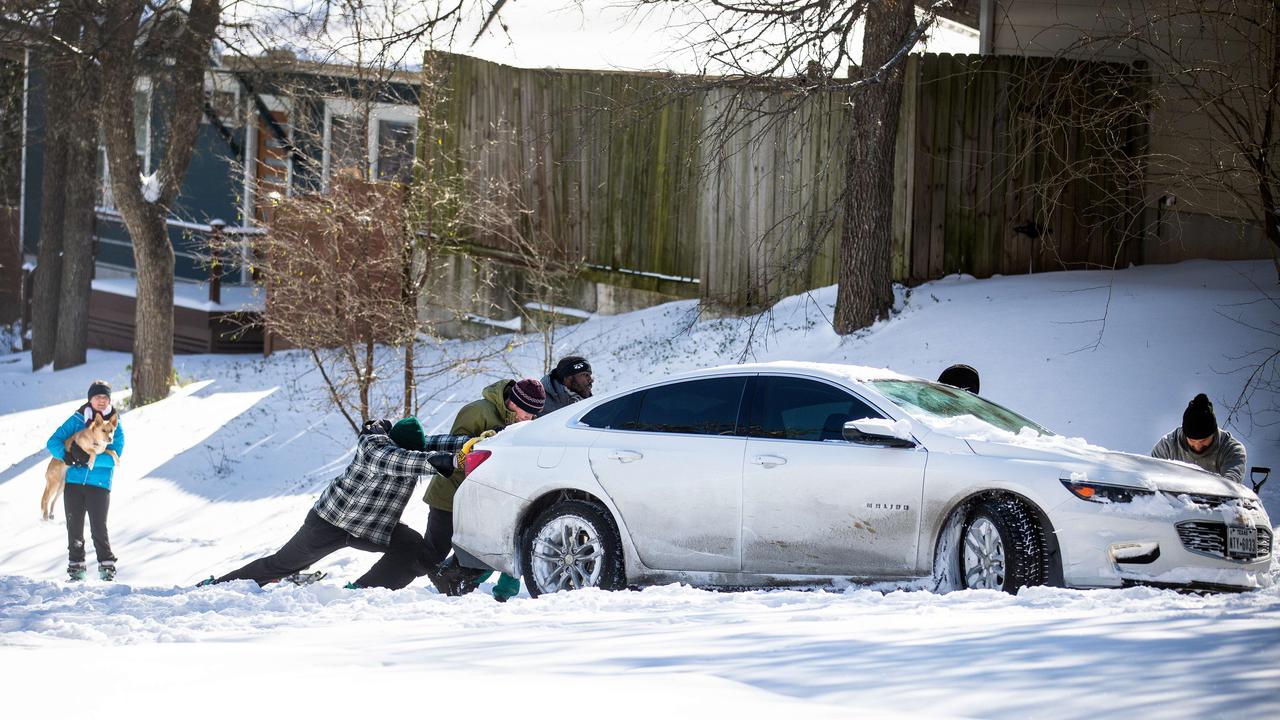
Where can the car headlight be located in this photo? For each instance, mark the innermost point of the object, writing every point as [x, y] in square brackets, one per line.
[1104, 493]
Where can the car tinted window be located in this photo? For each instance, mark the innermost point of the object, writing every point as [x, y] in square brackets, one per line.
[789, 408]
[699, 407]
[617, 414]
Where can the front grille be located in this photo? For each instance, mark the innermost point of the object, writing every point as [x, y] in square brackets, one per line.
[1212, 502]
[1210, 538]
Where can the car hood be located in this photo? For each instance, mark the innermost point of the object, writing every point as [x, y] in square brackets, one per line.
[1083, 461]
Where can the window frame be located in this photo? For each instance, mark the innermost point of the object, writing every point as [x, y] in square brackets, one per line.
[754, 388]
[378, 112]
[108, 204]
[743, 404]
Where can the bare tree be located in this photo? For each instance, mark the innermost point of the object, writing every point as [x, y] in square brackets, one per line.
[65, 38]
[796, 50]
[172, 44]
[333, 265]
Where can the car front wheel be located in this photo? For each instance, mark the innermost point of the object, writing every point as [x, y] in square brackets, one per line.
[571, 545]
[1002, 547]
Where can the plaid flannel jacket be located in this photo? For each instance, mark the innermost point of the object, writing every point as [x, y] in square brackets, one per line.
[367, 499]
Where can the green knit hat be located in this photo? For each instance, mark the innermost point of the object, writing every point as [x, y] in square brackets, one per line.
[408, 434]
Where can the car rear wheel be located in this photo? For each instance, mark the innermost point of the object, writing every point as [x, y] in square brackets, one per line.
[571, 545]
[1001, 547]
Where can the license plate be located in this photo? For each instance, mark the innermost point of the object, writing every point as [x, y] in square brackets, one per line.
[1242, 541]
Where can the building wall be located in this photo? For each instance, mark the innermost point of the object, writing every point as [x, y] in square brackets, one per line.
[1191, 51]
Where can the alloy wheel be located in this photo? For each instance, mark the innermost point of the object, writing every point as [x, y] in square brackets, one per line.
[566, 555]
[984, 556]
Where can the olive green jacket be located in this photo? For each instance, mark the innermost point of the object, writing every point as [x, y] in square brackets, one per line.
[488, 413]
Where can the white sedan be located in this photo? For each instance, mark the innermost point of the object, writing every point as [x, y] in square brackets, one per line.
[799, 473]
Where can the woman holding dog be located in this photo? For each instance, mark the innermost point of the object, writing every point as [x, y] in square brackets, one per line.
[88, 490]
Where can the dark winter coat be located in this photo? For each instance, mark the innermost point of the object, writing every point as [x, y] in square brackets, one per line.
[369, 497]
[488, 413]
[104, 466]
[558, 395]
[1225, 457]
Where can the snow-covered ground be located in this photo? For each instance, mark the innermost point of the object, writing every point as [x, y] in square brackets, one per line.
[224, 470]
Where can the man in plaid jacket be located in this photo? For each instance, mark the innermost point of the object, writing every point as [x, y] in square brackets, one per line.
[361, 508]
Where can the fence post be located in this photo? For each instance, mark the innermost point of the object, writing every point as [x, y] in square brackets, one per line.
[215, 261]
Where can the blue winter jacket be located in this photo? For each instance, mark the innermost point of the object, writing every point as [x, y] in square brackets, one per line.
[103, 467]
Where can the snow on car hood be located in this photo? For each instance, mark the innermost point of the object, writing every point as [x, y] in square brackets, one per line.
[1082, 460]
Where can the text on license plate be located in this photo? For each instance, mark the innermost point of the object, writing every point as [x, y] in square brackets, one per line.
[1242, 541]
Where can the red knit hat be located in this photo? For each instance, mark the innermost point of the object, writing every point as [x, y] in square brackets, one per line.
[528, 395]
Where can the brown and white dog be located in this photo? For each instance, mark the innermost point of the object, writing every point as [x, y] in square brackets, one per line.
[94, 440]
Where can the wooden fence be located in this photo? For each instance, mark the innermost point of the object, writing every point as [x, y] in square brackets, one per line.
[1004, 165]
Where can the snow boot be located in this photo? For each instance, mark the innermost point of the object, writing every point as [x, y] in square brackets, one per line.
[303, 578]
[75, 572]
[206, 582]
[107, 571]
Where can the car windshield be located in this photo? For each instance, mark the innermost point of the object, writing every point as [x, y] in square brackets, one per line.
[932, 400]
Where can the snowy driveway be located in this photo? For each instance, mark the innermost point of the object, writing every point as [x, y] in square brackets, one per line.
[672, 651]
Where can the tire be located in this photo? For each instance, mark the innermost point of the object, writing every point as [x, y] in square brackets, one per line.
[1001, 547]
[577, 526]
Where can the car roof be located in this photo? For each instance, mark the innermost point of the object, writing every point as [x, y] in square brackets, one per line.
[833, 371]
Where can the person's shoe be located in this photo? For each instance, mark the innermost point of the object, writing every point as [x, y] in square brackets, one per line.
[206, 582]
[107, 571]
[351, 586]
[75, 572]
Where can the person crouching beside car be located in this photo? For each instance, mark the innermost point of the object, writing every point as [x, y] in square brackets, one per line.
[570, 381]
[361, 508]
[501, 404]
[1199, 442]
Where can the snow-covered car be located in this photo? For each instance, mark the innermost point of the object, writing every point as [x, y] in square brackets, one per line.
[799, 473]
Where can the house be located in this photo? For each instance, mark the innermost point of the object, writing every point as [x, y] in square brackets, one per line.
[1209, 67]
[272, 126]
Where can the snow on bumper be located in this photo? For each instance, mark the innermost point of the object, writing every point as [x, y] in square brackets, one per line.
[1148, 541]
[484, 524]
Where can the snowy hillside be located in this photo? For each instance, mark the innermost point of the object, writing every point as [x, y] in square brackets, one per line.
[226, 468]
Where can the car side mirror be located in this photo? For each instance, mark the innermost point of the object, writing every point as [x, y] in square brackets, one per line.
[875, 431]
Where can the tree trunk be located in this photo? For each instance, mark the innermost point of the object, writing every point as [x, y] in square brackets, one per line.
[48, 278]
[153, 317]
[144, 215]
[77, 228]
[865, 290]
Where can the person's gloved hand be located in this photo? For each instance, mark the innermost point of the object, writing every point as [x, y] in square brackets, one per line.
[75, 456]
[442, 462]
[376, 427]
[467, 447]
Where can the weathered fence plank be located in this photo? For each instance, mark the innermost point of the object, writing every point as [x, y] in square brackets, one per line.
[736, 192]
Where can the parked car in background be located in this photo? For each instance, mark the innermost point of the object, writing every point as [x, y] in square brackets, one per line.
[799, 473]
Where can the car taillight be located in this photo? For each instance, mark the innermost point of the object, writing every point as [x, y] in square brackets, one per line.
[474, 458]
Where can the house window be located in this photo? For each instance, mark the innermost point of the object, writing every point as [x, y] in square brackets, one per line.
[141, 142]
[395, 151]
[369, 141]
[226, 106]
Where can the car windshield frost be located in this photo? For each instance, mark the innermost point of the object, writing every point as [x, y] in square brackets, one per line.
[945, 402]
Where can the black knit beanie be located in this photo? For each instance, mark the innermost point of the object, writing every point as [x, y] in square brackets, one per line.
[960, 376]
[99, 387]
[571, 365]
[1198, 421]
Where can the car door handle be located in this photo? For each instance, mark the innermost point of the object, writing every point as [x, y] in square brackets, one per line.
[625, 456]
[768, 461]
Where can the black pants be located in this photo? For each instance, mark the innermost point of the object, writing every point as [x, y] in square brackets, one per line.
[435, 548]
[318, 538]
[78, 499]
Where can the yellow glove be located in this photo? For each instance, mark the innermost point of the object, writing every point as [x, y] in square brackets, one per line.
[466, 448]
